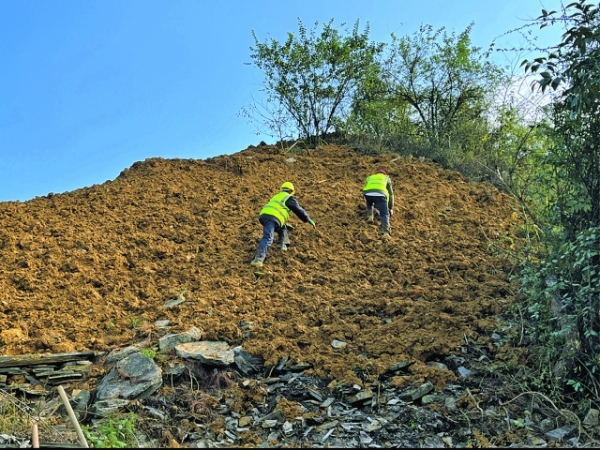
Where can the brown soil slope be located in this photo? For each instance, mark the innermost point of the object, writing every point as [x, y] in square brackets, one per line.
[92, 269]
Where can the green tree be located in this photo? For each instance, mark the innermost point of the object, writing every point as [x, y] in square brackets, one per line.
[563, 290]
[574, 70]
[378, 119]
[314, 75]
[446, 81]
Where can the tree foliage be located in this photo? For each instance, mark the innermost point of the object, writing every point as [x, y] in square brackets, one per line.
[563, 290]
[314, 74]
[445, 80]
[574, 69]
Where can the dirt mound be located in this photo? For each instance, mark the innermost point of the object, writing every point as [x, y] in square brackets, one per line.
[92, 269]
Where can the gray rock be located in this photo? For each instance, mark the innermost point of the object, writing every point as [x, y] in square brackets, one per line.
[463, 372]
[546, 425]
[275, 415]
[416, 393]
[119, 354]
[216, 353]
[104, 408]
[156, 413]
[434, 442]
[327, 426]
[450, 403]
[338, 344]
[136, 376]
[430, 398]
[247, 363]
[287, 428]
[171, 340]
[560, 433]
[591, 418]
[437, 365]
[399, 365]
[536, 441]
[174, 368]
[367, 394]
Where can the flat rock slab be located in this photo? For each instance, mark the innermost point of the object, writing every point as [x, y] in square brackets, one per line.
[216, 353]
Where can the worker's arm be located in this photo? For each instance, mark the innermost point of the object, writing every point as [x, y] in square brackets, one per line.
[295, 207]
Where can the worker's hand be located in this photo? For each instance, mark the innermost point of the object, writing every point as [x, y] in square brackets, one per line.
[312, 222]
[391, 212]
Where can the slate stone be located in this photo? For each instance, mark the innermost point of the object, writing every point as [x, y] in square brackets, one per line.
[216, 353]
[170, 341]
[136, 376]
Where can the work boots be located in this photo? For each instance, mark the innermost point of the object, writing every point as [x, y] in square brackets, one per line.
[257, 262]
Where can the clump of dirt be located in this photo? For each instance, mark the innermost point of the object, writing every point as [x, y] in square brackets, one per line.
[93, 268]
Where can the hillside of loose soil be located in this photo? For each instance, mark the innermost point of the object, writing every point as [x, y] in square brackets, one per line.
[93, 269]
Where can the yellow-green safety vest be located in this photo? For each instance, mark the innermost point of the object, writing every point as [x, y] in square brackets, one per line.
[276, 207]
[377, 182]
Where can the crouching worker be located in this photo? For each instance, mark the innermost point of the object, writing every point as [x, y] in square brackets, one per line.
[379, 194]
[274, 217]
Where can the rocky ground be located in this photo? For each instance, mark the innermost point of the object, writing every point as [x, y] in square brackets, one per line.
[362, 341]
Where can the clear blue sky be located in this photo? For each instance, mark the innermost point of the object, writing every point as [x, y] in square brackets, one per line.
[87, 88]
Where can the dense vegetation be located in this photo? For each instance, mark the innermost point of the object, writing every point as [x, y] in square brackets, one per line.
[435, 95]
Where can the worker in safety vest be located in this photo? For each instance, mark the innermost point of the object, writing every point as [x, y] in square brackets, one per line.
[379, 194]
[274, 217]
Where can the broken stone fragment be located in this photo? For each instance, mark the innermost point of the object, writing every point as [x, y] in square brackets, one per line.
[216, 353]
[269, 423]
[171, 340]
[247, 363]
[463, 372]
[104, 408]
[363, 395]
[299, 367]
[133, 377]
[560, 433]
[120, 353]
[327, 402]
[338, 344]
[399, 365]
[591, 418]
[287, 428]
[327, 426]
[437, 365]
[78, 366]
[174, 368]
[416, 393]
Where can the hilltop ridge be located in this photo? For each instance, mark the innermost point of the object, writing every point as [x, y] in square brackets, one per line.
[92, 269]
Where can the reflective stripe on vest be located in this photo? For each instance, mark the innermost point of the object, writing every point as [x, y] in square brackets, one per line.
[377, 182]
[276, 207]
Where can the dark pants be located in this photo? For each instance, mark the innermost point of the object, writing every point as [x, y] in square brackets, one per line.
[270, 227]
[379, 202]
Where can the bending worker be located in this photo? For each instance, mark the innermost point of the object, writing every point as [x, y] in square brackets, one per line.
[379, 194]
[274, 217]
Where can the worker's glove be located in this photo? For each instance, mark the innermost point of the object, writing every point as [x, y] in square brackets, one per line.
[391, 212]
[312, 222]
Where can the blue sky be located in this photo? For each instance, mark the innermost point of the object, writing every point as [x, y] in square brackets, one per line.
[87, 88]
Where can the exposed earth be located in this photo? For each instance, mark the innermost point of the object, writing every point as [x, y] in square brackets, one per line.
[93, 269]
[79, 270]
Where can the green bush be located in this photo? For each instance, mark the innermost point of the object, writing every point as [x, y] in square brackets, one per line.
[112, 432]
